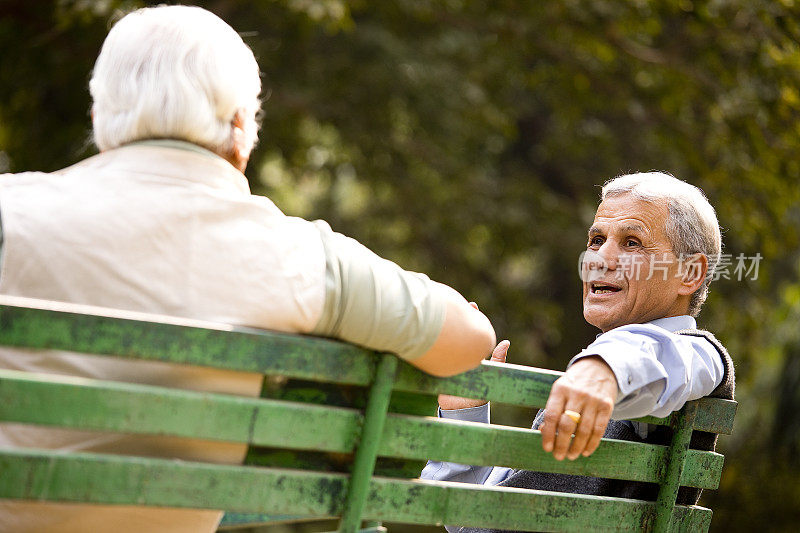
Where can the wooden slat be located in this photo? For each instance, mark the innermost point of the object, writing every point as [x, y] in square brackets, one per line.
[131, 408]
[499, 382]
[49, 325]
[715, 415]
[703, 470]
[518, 509]
[530, 387]
[107, 479]
[483, 444]
[96, 478]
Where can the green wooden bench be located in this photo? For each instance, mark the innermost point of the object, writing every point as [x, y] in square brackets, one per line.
[312, 459]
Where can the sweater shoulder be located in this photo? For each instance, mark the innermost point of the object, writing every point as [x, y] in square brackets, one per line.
[726, 388]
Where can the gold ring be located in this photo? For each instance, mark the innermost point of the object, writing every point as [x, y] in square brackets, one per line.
[576, 417]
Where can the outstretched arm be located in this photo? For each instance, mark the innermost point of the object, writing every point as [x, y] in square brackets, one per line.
[589, 389]
[465, 338]
[373, 302]
[634, 370]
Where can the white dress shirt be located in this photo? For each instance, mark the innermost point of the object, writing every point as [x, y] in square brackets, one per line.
[657, 372]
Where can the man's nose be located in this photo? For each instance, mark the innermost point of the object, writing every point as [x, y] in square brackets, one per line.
[610, 254]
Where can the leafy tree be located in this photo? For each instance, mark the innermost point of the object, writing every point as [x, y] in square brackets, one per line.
[468, 140]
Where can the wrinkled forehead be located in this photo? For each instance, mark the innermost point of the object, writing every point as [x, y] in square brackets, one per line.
[629, 214]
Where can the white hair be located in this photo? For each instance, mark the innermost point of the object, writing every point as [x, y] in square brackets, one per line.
[692, 226]
[176, 72]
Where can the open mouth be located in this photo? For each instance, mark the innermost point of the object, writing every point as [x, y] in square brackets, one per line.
[599, 287]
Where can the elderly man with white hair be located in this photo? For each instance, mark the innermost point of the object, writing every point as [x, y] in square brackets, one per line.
[651, 252]
[162, 221]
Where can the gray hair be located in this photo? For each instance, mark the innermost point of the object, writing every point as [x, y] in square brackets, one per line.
[175, 72]
[692, 226]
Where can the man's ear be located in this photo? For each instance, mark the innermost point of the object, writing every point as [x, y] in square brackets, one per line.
[693, 271]
[240, 153]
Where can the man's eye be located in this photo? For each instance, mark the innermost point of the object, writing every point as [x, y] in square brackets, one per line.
[596, 241]
[631, 242]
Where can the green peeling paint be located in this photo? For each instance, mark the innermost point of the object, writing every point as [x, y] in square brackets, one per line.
[314, 447]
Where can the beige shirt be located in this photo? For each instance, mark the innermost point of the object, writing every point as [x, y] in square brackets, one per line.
[167, 227]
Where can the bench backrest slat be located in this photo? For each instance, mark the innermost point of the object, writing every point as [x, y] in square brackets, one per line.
[111, 479]
[128, 408]
[155, 338]
[468, 443]
[108, 479]
[518, 509]
[530, 387]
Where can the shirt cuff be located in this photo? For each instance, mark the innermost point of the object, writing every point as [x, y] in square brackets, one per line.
[630, 369]
[470, 414]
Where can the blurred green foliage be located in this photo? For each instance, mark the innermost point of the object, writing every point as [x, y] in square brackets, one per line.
[468, 140]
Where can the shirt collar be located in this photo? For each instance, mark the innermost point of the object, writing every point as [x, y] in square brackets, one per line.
[175, 143]
[675, 323]
[670, 323]
[179, 160]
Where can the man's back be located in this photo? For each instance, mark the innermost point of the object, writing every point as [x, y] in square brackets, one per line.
[162, 228]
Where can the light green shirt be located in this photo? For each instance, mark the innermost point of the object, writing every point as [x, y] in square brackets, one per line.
[373, 302]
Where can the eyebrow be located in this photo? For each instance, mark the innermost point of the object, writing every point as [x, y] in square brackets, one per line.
[630, 228]
[633, 228]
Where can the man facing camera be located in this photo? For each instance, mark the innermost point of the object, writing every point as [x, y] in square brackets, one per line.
[651, 250]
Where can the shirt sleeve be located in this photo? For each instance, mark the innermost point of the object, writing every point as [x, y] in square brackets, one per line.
[480, 475]
[657, 371]
[373, 302]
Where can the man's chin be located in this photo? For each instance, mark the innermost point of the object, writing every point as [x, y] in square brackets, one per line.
[601, 318]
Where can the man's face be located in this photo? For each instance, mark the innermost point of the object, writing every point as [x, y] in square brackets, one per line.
[629, 272]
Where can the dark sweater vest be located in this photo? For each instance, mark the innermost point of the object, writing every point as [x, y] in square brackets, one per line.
[621, 430]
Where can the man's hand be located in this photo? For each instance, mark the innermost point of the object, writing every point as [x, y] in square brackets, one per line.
[457, 402]
[589, 388]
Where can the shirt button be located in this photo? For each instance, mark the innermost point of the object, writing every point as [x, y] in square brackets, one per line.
[630, 379]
